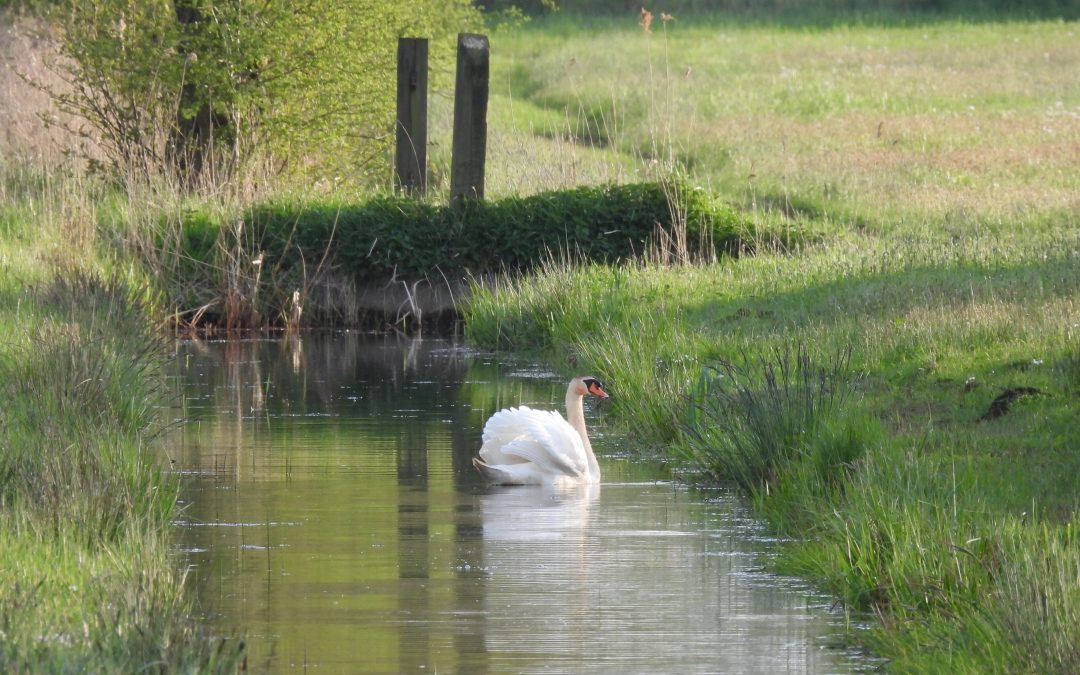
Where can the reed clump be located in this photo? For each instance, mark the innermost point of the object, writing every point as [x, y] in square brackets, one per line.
[746, 422]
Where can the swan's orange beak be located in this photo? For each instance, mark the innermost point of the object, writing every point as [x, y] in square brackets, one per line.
[596, 390]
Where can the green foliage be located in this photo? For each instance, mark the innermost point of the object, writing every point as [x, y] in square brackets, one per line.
[199, 236]
[123, 79]
[396, 236]
[528, 7]
[309, 84]
[391, 237]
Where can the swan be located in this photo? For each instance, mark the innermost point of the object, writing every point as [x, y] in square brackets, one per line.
[523, 446]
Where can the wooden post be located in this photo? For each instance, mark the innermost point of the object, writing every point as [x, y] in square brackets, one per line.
[410, 158]
[470, 118]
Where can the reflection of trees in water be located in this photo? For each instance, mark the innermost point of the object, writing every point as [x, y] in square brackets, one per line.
[314, 370]
[395, 400]
[417, 394]
[379, 550]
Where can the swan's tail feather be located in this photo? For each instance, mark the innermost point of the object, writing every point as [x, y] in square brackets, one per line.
[491, 473]
[522, 473]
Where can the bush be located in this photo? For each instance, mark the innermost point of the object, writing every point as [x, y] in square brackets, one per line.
[394, 236]
[398, 238]
[202, 91]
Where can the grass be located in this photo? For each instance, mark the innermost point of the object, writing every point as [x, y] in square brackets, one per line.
[88, 578]
[943, 123]
[747, 422]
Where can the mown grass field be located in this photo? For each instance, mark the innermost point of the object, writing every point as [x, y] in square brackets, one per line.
[937, 123]
[931, 170]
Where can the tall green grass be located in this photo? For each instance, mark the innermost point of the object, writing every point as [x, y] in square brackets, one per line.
[88, 578]
[749, 421]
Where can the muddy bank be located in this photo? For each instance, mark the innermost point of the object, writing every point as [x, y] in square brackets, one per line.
[415, 307]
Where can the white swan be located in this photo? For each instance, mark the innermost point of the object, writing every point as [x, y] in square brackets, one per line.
[522, 446]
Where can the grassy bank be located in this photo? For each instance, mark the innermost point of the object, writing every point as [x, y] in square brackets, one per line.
[908, 500]
[88, 579]
[898, 393]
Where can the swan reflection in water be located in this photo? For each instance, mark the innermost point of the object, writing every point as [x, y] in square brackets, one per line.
[536, 553]
[537, 512]
[630, 581]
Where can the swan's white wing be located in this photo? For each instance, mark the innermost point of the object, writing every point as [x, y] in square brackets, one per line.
[538, 436]
[501, 429]
[521, 473]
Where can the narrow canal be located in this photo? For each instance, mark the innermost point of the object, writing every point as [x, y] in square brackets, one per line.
[331, 515]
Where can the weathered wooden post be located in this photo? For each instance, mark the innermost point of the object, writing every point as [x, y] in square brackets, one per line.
[470, 118]
[410, 158]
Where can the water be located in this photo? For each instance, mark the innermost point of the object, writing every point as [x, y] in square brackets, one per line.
[332, 515]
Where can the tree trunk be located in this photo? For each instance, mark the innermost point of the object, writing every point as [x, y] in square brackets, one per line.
[191, 143]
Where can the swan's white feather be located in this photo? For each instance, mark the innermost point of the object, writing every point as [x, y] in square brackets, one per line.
[540, 437]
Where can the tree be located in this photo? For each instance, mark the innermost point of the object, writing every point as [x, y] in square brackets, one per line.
[200, 88]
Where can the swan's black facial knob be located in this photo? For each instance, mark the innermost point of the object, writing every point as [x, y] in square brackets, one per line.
[594, 387]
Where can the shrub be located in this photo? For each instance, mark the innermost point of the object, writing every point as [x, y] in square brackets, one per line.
[202, 89]
[398, 238]
[392, 236]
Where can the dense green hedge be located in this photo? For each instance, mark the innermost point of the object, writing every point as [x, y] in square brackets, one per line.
[393, 236]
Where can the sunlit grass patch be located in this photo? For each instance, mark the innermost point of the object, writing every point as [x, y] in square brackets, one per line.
[963, 125]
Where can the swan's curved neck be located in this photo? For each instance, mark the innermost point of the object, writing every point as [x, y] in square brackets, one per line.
[575, 415]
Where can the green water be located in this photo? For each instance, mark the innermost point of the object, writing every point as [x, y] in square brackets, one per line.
[333, 517]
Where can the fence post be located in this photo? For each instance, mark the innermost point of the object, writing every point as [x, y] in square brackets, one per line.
[410, 157]
[470, 118]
